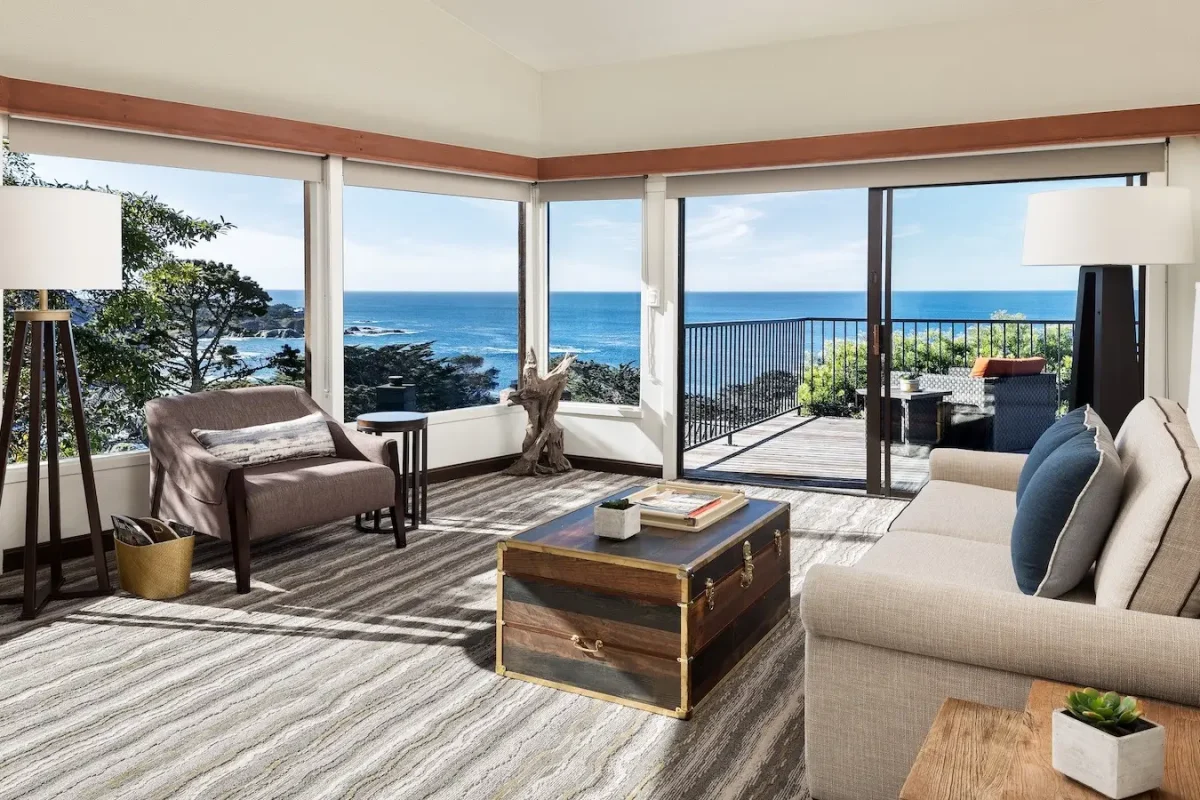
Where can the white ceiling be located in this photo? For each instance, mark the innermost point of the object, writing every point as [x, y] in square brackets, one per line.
[562, 34]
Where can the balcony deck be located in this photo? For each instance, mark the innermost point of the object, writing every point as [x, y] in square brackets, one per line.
[815, 451]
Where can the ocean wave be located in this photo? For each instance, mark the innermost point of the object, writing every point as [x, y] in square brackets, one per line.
[492, 350]
[568, 349]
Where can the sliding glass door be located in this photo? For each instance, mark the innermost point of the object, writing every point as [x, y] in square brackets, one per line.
[975, 349]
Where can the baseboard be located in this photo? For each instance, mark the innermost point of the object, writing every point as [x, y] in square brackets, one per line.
[471, 469]
[72, 547]
[81, 546]
[615, 466]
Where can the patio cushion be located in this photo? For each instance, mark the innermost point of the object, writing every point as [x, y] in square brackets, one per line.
[289, 495]
[960, 510]
[1006, 367]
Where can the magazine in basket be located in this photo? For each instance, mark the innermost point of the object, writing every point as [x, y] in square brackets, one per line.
[686, 506]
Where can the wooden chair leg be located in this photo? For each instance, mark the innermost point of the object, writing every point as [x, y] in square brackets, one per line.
[398, 498]
[239, 529]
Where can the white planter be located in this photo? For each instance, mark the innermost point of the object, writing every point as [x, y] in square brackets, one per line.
[1115, 766]
[617, 523]
[907, 385]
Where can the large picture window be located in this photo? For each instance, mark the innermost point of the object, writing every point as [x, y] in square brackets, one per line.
[431, 300]
[213, 289]
[595, 262]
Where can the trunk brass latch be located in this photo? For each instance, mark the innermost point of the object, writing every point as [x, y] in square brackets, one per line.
[748, 565]
[778, 542]
[710, 594]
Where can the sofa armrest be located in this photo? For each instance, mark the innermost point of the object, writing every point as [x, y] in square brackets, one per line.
[360, 446]
[993, 470]
[1129, 651]
[192, 469]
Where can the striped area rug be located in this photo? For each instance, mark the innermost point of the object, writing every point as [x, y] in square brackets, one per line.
[356, 670]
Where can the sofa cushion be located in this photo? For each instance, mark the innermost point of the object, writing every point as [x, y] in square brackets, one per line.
[961, 510]
[931, 558]
[1065, 428]
[289, 495]
[1152, 559]
[1066, 513]
[304, 437]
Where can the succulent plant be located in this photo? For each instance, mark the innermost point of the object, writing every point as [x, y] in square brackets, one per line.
[619, 505]
[1109, 711]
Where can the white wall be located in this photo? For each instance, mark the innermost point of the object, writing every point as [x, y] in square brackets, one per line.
[1183, 169]
[402, 67]
[1119, 55]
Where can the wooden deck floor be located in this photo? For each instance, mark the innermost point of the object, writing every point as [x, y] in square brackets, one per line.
[822, 451]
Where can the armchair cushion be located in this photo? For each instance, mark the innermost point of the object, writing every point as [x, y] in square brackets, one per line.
[288, 495]
[305, 437]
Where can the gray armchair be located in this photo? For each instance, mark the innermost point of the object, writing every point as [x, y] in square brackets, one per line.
[239, 504]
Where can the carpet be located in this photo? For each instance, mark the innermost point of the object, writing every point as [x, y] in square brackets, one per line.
[357, 670]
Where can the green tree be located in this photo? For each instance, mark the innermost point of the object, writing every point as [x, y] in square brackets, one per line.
[199, 305]
[121, 336]
[441, 383]
[596, 382]
[288, 365]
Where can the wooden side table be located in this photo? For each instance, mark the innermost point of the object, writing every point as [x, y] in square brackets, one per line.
[413, 428]
[977, 751]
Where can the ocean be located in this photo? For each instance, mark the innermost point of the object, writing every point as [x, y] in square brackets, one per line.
[606, 326]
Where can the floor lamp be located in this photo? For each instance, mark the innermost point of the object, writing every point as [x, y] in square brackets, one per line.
[60, 239]
[1106, 230]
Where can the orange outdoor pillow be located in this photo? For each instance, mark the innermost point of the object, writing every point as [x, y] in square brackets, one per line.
[1006, 367]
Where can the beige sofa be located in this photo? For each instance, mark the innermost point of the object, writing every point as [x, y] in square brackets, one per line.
[933, 609]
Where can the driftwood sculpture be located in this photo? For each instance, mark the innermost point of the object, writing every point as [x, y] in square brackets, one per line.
[542, 450]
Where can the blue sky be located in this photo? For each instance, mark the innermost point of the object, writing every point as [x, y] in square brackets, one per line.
[948, 238]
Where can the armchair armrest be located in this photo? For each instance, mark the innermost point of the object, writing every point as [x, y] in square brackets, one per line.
[193, 469]
[361, 446]
[1148, 654]
[992, 470]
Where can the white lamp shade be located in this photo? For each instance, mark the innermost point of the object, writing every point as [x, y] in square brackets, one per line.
[1109, 225]
[59, 239]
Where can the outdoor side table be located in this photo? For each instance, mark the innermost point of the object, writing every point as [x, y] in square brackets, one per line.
[413, 442]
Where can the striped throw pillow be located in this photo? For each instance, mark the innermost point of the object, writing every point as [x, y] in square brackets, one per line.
[306, 437]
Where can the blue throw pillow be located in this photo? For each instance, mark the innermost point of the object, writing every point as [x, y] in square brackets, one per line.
[1065, 515]
[1060, 432]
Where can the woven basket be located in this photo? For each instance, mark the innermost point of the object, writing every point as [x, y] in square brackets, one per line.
[156, 571]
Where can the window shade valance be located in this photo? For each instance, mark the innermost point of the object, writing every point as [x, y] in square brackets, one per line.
[1035, 165]
[407, 179]
[100, 144]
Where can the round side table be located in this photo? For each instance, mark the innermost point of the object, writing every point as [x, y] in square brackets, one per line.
[413, 428]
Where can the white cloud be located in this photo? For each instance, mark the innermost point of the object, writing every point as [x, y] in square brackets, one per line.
[721, 227]
[275, 260]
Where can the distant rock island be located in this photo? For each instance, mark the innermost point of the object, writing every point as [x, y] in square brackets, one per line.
[283, 321]
[371, 330]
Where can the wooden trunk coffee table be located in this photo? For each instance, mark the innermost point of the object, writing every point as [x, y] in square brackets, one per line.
[655, 621]
[988, 753]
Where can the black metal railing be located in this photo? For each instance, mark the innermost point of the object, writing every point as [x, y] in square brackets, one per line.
[738, 374]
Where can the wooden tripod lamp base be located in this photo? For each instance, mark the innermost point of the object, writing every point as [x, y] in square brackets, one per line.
[43, 330]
